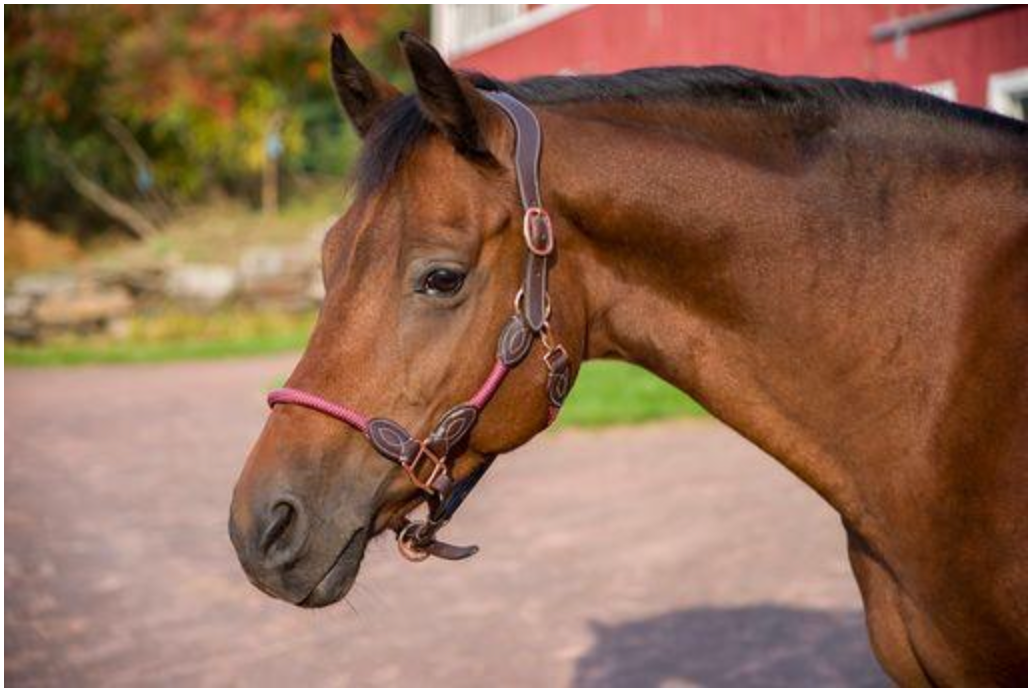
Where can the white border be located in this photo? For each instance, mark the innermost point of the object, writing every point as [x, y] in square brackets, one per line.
[943, 89]
[523, 23]
[1001, 85]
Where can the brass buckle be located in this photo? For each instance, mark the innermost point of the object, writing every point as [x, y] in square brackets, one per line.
[414, 466]
[534, 216]
[551, 355]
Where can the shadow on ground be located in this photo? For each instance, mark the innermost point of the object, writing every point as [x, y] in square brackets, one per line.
[763, 645]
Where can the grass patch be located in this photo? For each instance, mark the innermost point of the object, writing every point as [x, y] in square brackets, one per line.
[611, 392]
[174, 336]
[606, 392]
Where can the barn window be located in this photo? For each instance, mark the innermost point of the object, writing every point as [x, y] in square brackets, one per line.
[1008, 93]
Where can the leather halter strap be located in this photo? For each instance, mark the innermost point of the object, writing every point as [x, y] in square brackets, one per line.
[428, 462]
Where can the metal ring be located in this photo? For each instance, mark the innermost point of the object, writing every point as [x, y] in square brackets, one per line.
[521, 295]
[407, 544]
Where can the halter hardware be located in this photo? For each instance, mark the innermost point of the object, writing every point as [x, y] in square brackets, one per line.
[439, 470]
[531, 321]
[538, 231]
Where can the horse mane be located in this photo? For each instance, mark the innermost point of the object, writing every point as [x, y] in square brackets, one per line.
[402, 125]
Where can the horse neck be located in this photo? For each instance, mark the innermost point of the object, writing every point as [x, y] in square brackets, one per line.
[776, 276]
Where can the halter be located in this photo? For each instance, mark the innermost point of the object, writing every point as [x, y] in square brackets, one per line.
[428, 462]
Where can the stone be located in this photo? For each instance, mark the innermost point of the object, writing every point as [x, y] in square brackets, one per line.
[83, 311]
[17, 306]
[206, 285]
[41, 285]
[278, 275]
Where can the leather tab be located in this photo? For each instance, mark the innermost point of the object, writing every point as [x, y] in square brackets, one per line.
[391, 440]
[450, 552]
[515, 342]
[558, 384]
[451, 429]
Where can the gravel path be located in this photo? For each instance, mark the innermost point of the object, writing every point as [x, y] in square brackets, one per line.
[606, 560]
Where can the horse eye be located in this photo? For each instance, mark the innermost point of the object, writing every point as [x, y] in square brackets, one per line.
[441, 282]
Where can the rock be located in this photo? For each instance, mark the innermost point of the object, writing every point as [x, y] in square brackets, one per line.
[87, 310]
[18, 322]
[146, 284]
[205, 285]
[278, 275]
[17, 306]
[42, 285]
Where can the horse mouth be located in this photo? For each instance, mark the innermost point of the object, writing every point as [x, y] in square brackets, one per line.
[340, 576]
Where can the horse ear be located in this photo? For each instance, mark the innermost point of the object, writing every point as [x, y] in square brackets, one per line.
[449, 100]
[361, 93]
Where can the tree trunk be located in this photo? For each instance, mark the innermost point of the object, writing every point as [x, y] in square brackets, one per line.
[117, 209]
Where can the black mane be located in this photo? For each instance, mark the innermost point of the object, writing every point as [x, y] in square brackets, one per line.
[399, 129]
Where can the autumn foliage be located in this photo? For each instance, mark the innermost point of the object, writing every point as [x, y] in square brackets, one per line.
[158, 106]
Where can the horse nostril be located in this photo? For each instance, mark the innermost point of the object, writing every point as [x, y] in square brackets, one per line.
[285, 532]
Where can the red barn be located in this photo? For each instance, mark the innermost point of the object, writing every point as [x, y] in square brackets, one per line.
[976, 54]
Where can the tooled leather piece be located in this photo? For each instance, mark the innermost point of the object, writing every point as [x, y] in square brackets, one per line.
[559, 381]
[515, 341]
[391, 439]
[451, 429]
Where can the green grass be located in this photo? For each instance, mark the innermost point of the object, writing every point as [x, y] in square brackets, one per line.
[612, 393]
[174, 336]
[606, 393]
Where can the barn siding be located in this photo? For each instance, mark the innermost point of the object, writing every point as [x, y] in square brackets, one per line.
[816, 40]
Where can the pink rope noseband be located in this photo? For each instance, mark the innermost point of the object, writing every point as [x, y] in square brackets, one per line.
[346, 414]
[358, 420]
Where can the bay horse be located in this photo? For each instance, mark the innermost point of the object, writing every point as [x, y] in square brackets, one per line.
[836, 269]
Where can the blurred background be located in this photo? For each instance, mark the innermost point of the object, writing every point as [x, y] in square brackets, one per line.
[169, 172]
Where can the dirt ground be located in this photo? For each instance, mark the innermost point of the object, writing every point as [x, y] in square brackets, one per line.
[670, 554]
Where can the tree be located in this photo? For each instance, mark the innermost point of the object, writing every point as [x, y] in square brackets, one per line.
[133, 105]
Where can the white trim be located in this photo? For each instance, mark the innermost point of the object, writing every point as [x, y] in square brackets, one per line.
[444, 34]
[943, 89]
[1002, 87]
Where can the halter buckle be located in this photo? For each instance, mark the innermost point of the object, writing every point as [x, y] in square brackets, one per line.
[538, 231]
[413, 468]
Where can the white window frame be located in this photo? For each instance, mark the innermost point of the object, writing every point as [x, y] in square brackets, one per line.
[454, 41]
[944, 89]
[1002, 87]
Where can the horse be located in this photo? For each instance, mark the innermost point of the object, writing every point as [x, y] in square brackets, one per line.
[836, 269]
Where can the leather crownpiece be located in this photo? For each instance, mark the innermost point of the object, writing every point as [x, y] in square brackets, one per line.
[515, 342]
[391, 440]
